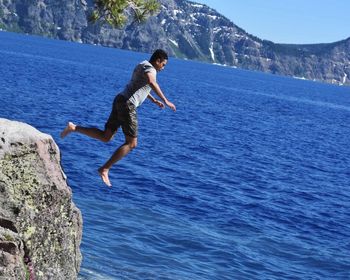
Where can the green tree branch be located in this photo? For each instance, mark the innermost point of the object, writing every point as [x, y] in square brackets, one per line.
[116, 12]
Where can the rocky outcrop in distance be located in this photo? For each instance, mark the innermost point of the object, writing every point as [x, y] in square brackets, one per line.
[186, 30]
[40, 227]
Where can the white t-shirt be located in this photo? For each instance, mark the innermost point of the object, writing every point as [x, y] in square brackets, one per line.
[138, 88]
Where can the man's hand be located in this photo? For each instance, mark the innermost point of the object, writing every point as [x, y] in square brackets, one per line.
[160, 104]
[171, 105]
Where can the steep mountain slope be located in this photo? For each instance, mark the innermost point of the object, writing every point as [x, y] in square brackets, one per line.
[186, 30]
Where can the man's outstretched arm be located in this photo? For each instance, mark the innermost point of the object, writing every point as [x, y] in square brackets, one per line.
[156, 88]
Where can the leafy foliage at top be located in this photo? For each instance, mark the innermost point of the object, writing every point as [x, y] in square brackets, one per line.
[116, 12]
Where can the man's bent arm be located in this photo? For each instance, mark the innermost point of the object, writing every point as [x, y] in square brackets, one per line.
[156, 88]
[155, 101]
[150, 97]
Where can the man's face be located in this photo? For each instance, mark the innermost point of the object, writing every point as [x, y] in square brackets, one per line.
[160, 64]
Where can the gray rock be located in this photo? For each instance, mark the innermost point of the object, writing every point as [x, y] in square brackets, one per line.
[40, 227]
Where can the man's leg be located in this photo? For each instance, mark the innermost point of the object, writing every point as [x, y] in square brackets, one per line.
[122, 151]
[102, 135]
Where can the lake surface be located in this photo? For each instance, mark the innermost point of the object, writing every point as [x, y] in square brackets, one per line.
[249, 179]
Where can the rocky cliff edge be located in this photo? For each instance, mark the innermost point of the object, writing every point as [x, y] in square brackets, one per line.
[40, 227]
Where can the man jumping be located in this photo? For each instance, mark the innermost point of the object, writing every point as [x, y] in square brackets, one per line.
[124, 113]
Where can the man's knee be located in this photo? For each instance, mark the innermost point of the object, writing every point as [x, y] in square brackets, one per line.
[107, 136]
[132, 143]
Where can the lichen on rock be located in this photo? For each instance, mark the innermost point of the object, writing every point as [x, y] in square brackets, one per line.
[39, 223]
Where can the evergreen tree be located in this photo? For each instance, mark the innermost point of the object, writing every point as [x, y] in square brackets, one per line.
[116, 12]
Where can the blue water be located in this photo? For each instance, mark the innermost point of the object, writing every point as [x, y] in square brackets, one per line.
[249, 179]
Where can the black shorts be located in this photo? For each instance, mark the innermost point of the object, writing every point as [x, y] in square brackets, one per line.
[123, 114]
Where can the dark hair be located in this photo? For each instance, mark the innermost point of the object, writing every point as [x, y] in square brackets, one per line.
[159, 54]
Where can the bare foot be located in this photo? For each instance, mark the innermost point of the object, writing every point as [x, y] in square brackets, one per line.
[69, 128]
[104, 175]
